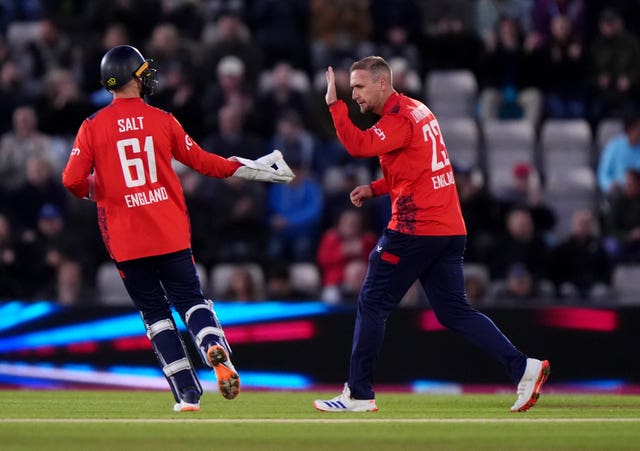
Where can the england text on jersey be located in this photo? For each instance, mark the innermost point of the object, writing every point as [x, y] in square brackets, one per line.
[150, 197]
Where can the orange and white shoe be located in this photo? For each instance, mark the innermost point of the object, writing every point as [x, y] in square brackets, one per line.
[345, 403]
[190, 401]
[228, 379]
[535, 375]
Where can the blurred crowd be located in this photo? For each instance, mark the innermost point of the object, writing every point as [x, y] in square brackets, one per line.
[248, 76]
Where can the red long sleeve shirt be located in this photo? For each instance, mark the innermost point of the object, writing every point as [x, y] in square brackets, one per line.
[129, 146]
[415, 164]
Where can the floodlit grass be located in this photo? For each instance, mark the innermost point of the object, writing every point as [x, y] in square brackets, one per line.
[119, 420]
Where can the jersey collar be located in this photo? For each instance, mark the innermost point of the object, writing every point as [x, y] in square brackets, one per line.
[391, 104]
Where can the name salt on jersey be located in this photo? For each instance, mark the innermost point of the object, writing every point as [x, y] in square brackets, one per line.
[130, 123]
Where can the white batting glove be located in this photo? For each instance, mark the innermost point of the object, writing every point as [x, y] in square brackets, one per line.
[268, 168]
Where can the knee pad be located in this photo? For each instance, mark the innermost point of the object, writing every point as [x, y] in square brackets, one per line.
[205, 328]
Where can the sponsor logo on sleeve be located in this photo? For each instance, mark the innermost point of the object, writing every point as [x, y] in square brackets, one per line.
[379, 132]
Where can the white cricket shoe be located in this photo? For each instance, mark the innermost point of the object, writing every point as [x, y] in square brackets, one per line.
[345, 403]
[190, 401]
[535, 374]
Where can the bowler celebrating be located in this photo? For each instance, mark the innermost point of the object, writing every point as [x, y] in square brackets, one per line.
[424, 240]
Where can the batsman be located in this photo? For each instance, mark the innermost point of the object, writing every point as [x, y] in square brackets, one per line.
[122, 159]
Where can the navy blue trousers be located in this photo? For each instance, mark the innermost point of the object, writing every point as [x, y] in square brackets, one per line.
[155, 282]
[395, 264]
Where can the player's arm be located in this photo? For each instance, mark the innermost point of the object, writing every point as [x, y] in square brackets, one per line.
[363, 192]
[76, 176]
[270, 168]
[390, 133]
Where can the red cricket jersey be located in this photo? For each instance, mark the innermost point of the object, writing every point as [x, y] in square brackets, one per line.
[129, 145]
[415, 164]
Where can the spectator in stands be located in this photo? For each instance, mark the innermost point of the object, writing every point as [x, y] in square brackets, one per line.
[115, 34]
[508, 77]
[51, 49]
[294, 216]
[237, 215]
[580, 267]
[519, 244]
[343, 255]
[397, 28]
[53, 258]
[231, 87]
[543, 13]
[339, 30]
[179, 94]
[338, 182]
[241, 287]
[526, 192]
[168, 47]
[395, 23]
[42, 186]
[621, 152]
[229, 35]
[623, 219]
[562, 81]
[279, 285]
[13, 93]
[17, 146]
[481, 212]
[232, 134]
[487, 13]
[284, 91]
[63, 105]
[297, 142]
[615, 68]
[519, 288]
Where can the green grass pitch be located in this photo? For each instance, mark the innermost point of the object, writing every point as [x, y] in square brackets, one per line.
[143, 420]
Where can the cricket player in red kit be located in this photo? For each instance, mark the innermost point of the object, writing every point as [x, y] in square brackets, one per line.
[424, 240]
[121, 159]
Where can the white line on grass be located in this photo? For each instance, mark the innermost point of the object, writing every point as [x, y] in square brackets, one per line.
[318, 420]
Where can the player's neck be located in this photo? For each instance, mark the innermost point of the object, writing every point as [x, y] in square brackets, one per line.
[128, 91]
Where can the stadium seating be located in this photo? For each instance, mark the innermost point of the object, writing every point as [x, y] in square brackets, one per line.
[625, 283]
[507, 143]
[451, 93]
[221, 275]
[305, 278]
[565, 146]
[607, 129]
[462, 138]
[111, 290]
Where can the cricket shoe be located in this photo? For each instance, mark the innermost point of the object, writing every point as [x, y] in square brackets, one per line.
[345, 403]
[228, 379]
[190, 401]
[535, 375]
